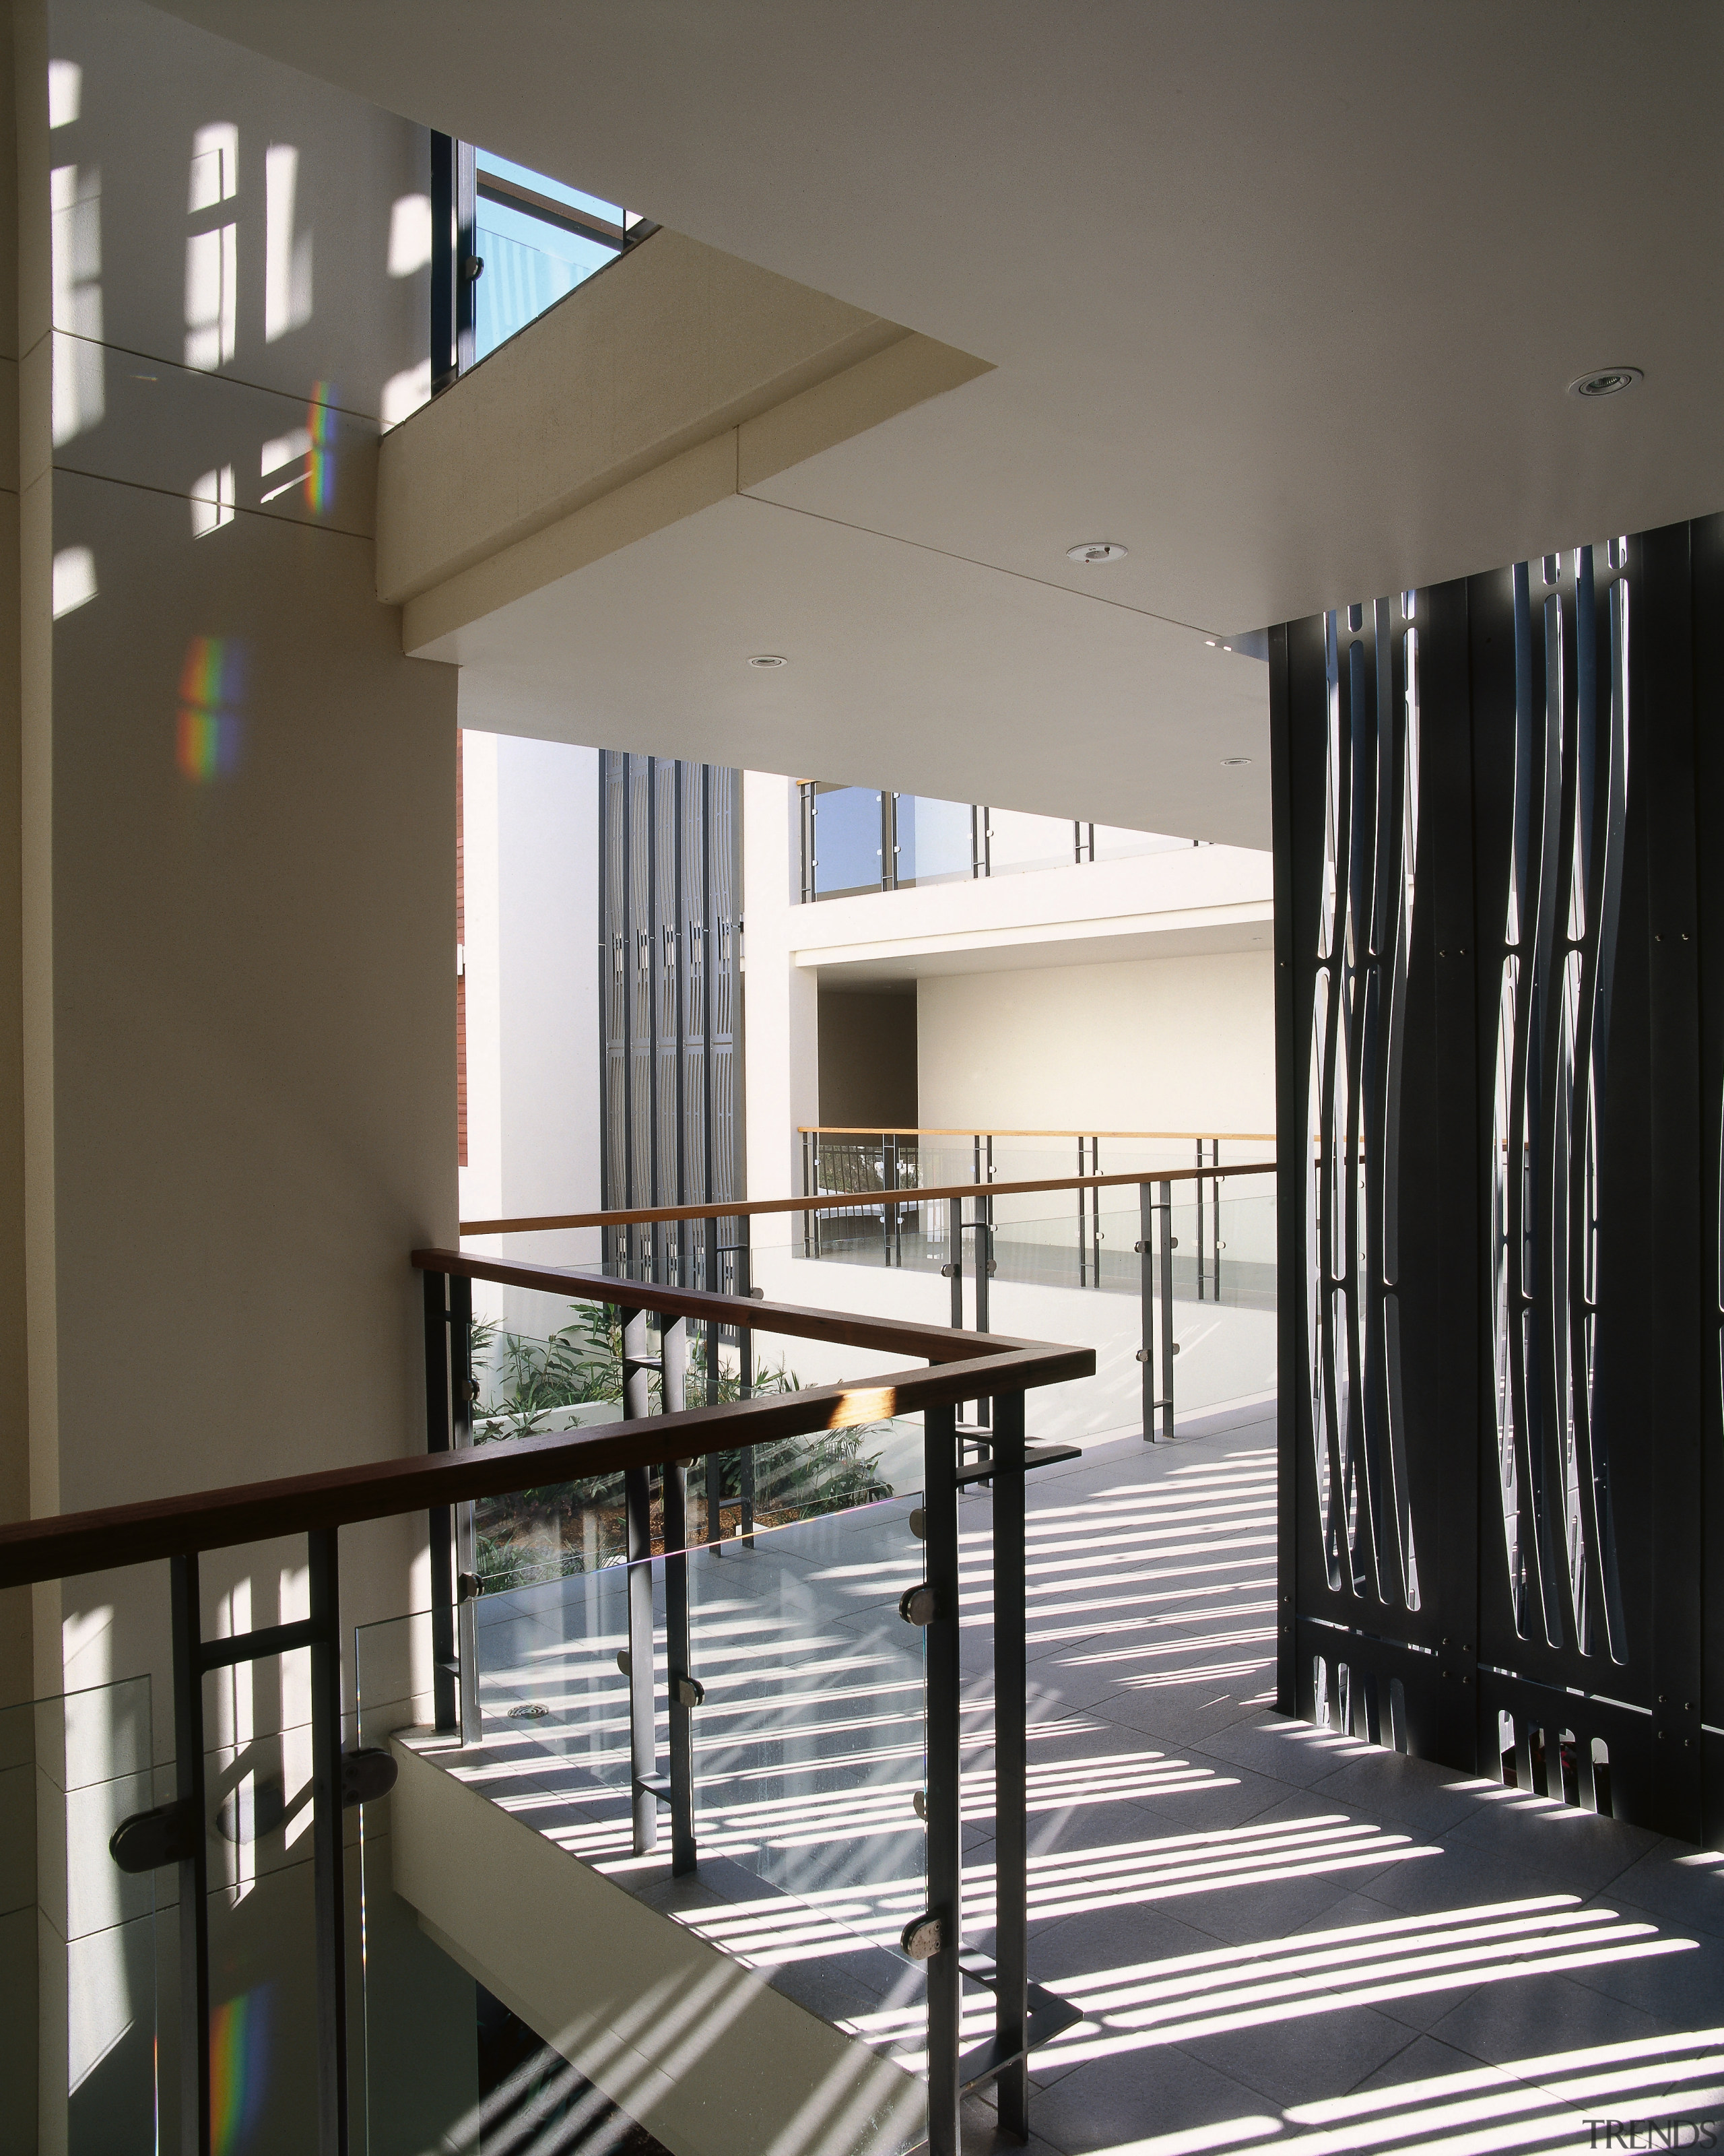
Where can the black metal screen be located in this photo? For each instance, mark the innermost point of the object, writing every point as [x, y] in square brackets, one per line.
[670, 883]
[1499, 812]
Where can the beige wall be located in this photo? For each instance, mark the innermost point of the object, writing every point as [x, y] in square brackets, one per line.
[868, 1060]
[227, 856]
[15, 1649]
[1145, 1044]
[780, 1007]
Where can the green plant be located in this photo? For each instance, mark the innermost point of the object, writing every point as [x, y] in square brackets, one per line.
[542, 1533]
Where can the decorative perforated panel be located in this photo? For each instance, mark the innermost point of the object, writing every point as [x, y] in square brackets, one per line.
[1499, 977]
[670, 885]
[1358, 1024]
[1557, 958]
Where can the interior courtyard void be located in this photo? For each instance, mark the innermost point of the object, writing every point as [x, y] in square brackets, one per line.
[861, 1078]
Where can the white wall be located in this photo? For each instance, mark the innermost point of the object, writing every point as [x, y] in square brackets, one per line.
[531, 817]
[780, 1006]
[236, 888]
[1144, 1044]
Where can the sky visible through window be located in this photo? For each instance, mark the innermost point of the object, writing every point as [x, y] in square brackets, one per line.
[530, 263]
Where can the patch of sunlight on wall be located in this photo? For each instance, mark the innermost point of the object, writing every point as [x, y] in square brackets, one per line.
[76, 269]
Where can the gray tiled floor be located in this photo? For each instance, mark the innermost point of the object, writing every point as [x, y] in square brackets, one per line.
[1275, 1933]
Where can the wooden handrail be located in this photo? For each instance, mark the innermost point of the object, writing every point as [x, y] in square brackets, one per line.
[968, 1366]
[848, 1200]
[890, 1336]
[935, 1131]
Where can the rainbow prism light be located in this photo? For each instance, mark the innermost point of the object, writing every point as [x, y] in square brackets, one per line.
[210, 733]
[320, 463]
[238, 2069]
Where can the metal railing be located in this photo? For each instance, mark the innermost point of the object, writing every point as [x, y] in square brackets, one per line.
[837, 1159]
[877, 840]
[961, 1249]
[454, 1474]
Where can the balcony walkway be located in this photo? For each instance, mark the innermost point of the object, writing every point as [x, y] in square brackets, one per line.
[1277, 1934]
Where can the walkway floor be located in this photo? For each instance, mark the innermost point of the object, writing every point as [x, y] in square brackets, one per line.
[1276, 1934]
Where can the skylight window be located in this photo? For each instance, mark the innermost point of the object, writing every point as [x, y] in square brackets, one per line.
[537, 239]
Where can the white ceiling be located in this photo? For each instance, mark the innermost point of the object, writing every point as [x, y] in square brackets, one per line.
[1284, 297]
[904, 969]
[907, 667]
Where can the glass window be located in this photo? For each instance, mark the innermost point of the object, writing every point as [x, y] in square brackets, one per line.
[537, 239]
[1016, 842]
[936, 839]
[847, 840]
[1115, 843]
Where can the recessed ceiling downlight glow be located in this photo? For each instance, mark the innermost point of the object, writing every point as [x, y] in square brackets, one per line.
[1091, 552]
[1605, 382]
[768, 659]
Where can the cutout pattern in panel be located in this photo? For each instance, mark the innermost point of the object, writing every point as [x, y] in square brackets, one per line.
[670, 877]
[1557, 958]
[1358, 1011]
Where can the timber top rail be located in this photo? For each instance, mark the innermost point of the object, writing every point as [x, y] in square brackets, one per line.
[967, 1366]
[737, 1208]
[968, 1130]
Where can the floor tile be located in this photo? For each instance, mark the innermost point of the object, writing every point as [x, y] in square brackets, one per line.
[1535, 2016]
[1159, 1776]
[1304, 2056]
[1136, 2094]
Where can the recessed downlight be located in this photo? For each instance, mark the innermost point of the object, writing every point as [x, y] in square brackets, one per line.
[769, 659]
[1233, 762]
[1092, 552]
[1605, 382]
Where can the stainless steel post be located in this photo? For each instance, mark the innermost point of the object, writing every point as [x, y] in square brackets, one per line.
[638, 1500]
[328, 1885]
[1168, 1349]
[684, 1688]
[1146, 1297]
[945, 1979]
[1010, 1768]
[461, 1394]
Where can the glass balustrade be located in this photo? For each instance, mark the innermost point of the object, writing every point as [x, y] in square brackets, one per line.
[85, 1948]
[857, 839]
[666, 1752]
[1068, 1266]
[847, 845]
[806, 1766]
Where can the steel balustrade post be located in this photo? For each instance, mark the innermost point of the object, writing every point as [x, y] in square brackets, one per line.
[1146, 1300]
[1010, 1766]
[1197, 1193]
[714, 1344]
[194, 1865]
[1095, 1210]
[637, 1503]
[1166, 1209]
[1082, 1210]
[439, 1436]
[945, 1979]
[982, 1248]
[679, 1654]
[955, 1250]
[328, 1830]
[466, 1556]
[745, 1258]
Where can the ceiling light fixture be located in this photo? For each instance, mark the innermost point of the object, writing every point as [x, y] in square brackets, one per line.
[1093, 551]
[768, 659]
[1605, 382]
[1234, 761]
